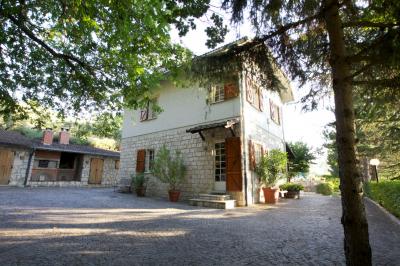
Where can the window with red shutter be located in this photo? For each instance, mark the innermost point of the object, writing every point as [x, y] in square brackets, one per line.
[234, 181]
[141, 161]
[231, 90]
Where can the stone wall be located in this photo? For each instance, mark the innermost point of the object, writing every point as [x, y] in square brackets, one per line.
[110, 174]
[20, 164]
[197, 154]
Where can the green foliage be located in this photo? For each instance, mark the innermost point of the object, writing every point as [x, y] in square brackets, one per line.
[139, 181]
[304, 156]
[386, 193]
[168, 168]
[324, 188]
[271, 167]
[291, 187]
[90, 55]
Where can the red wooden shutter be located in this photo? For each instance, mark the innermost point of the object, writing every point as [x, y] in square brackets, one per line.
[230, 90]
[140, 161]
[252, 156]
[233, 164]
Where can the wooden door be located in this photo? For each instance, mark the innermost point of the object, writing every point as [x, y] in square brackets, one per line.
[96, 171]
[6, 162]
[234, 179]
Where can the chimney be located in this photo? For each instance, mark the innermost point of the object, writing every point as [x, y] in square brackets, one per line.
[47, 136]
[64, 136]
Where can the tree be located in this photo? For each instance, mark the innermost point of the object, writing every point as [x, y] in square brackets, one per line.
[89, 55]
[336, 45]
[303, 157]
[330, 145]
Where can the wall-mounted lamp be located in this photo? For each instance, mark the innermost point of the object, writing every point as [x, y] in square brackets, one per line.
[375, 162]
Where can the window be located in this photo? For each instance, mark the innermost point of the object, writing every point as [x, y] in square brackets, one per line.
[149, 161]
[217, 93]
[220, 162]
[275, 114]
[254, 94]
[116, 165]
[44, 164]
[148, 113]
[258, 152]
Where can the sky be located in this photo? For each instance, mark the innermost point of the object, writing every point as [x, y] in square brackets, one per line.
[298, 125]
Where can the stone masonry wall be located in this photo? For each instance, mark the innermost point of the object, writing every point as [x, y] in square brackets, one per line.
[198, 157]
[20, 164]
[110, 174]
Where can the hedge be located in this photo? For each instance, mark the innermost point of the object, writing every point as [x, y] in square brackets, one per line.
[386, 193]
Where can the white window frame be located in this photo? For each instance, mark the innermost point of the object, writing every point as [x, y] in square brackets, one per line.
[218, 164]
[149, 160]
[217, 93]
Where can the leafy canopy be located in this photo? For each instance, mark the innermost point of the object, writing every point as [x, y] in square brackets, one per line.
[90, 55]
[303, 157]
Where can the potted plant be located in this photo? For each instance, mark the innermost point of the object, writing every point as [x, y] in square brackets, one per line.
[171, 170]
[139, 183]
[293, 190]
[270, 170]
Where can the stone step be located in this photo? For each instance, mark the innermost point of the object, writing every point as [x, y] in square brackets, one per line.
[216, 204]
[214, 197]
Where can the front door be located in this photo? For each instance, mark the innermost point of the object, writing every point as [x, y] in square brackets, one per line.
[96, 171]
[6, 162]
[220, 167]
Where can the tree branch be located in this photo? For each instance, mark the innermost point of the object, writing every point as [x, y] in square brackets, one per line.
[390, 83]
[69, 59]
[369, 24]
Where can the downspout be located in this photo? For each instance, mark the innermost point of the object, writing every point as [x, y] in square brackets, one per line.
[29, 166]
[243, 138]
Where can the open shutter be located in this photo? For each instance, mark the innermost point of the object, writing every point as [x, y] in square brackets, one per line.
[140, 161]
[234, 180]
[230, 90]
[252, 156]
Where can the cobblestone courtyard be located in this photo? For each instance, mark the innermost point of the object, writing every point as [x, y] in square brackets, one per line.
[76, 226]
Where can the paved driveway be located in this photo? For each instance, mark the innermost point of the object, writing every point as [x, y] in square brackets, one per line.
[70, 226]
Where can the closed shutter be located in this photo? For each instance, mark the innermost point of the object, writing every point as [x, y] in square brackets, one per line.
[230, 90]
[252, 156]
[261, 104]
[140, 161]
[233, 164]
[6, 162]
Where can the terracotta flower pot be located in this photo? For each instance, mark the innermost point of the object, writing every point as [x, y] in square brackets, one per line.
[174, 195]
[140, 191]
[271, 195]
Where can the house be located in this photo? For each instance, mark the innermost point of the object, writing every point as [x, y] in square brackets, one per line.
[44, 162]
[221, 130]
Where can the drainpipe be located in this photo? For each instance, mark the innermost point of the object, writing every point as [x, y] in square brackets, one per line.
[29, 166]
[243, 138]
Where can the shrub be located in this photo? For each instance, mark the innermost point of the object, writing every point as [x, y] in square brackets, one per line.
[386, 193]
[169, 169]
[291, 187]
[271, 167]
[139, 181]
[324, 188]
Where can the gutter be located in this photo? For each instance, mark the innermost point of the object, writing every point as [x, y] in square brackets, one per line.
[29, 166]
[243, 140]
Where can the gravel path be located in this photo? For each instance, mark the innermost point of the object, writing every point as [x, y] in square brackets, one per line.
[81, 226]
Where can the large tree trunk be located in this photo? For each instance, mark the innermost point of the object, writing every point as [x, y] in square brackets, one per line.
[356, 239]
